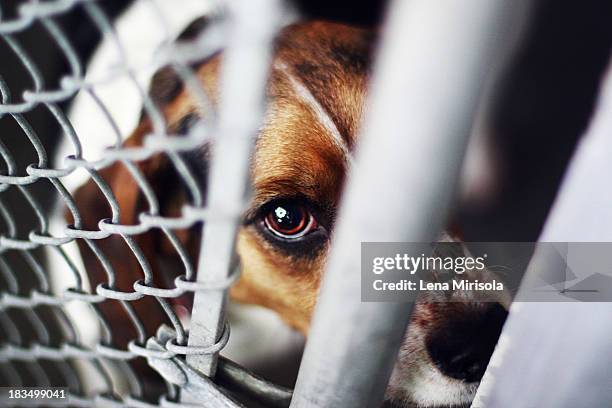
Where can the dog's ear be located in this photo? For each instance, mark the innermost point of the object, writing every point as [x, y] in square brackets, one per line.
[166, 84]
[455, 230]
[157, 253]
[116, 253]
[155, 250]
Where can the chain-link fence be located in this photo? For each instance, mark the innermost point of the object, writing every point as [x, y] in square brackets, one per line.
[107, 254]
[46, 314]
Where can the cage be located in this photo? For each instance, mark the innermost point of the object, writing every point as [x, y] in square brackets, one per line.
[118, 248]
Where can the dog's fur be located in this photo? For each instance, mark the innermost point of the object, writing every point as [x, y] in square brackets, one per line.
[316, 94]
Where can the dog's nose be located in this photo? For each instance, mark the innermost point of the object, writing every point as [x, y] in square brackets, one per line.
[462, 346]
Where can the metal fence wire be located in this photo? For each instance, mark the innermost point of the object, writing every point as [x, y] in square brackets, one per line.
[81, 272]
[42, 343]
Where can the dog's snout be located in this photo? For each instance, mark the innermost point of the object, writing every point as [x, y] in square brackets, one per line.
[462, 346]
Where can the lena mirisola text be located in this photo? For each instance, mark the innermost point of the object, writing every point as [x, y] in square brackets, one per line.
[460, 284]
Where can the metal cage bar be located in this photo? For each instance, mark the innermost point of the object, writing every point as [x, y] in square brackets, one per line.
[243, 80]
[427, 84]
[425, 92]
[557, 354]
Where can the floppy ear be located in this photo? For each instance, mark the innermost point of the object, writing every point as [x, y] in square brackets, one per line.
[454, 229]
[159, 254]
[165, 83]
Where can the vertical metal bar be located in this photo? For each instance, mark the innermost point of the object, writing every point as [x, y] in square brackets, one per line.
[243, 80]
[426, 86]
[558, 354]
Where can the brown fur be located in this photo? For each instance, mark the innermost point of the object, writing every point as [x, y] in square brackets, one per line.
[295, 155]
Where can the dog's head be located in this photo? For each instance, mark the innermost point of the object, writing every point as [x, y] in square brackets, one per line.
[316, 96]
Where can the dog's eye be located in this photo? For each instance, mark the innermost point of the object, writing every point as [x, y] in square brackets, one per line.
[294, 225]
[289, 219]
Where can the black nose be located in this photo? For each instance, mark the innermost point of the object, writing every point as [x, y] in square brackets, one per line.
[462, 346]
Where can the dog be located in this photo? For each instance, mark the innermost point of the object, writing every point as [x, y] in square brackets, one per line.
[316, 94]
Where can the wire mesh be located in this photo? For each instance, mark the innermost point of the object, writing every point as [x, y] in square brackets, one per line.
[43, 311]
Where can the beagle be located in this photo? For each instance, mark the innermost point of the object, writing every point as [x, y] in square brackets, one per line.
[316, 96]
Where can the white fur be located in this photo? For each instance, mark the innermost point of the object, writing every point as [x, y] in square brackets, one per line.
[428, 387]
[304, 94]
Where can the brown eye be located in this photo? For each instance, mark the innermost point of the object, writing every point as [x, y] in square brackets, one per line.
[289, 220]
